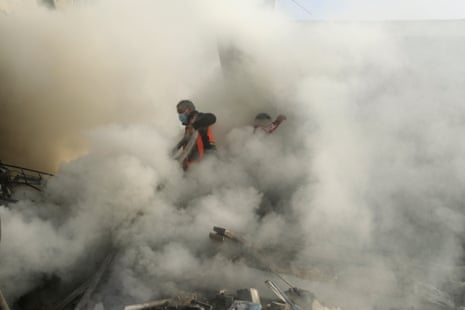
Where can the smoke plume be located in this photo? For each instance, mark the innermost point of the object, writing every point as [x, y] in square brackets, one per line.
[356, 196]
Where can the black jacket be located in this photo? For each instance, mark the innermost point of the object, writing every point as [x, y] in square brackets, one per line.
[201, 124]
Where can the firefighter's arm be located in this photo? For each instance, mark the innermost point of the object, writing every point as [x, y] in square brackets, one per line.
[178, 145]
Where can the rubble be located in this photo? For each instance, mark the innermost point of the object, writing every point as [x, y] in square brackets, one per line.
[12, 177]
[84, 295]
[242, 299]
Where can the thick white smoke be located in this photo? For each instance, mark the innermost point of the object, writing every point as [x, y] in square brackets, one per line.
[358, 192]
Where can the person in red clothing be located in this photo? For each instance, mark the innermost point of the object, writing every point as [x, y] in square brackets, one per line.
[263, 122]
[198, 138]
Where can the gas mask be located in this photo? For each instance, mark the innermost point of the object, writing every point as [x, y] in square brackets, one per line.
[183, 118]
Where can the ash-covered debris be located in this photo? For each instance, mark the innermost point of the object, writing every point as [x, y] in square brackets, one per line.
[13, 177]
[429, 297]
[242, 299]
[291, 299]
[55, 295]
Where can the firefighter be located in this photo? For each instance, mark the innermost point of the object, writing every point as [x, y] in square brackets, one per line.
[198, 124]
[263, 121]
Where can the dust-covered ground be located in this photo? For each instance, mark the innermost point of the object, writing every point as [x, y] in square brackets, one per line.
[363, 181]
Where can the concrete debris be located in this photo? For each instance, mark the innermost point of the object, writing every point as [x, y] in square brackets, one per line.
[282, 295]
[243, 299]
[179, 302]
[85, 296]
[249, 294]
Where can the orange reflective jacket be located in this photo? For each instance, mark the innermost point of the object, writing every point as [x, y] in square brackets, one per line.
[205, 142]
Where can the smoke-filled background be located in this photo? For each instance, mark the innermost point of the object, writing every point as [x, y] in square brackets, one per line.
[362, 184]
